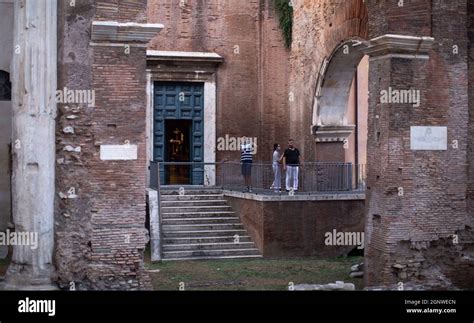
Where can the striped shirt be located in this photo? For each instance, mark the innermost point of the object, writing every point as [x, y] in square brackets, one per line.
[246, 153]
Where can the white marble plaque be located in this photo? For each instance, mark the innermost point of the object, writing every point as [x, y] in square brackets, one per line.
[429, 138]
[118, 152]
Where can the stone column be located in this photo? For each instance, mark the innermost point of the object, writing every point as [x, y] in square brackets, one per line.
[34, 77]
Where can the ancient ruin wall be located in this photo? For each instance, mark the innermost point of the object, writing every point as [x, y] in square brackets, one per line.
[252, 95]
[409, 237]
[100, 224]
[319, 28]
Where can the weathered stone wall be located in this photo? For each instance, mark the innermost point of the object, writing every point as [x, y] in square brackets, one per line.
[252, 95]
[410, 236]
[470, 191]
[470, 152]
[412, 232]
[100, 234]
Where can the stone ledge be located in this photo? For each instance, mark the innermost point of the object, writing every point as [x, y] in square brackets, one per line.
[296, 198]
[124, 32]
[323, 133]
[190, 58]
[399, 46]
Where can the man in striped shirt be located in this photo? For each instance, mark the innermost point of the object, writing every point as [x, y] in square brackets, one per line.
[246, 158]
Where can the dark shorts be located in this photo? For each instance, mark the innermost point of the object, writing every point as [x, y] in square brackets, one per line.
[246, 169]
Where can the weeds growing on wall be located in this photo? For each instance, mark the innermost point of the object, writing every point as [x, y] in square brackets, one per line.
[285, 15]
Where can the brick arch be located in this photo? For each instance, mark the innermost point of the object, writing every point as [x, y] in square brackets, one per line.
[345, 24]
[344, 31]
[348, 20]
[334, 83]
[320, 29]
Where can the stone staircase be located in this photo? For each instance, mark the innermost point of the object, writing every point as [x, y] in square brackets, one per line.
[201, 225]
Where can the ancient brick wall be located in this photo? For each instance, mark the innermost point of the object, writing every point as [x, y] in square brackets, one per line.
[252, 95]
[300, 228]
[410, 236]
[470, 192]
[100, 232]
[319, 27]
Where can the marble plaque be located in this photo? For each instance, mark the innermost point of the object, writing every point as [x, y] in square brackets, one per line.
[429, 138]
[118, 152]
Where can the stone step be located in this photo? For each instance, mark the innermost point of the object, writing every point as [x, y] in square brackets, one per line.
[194, 203]
[202, 227]
[175, 215]
[199, 197]
[208, 246]
[203, 233]
[210, 253]
[202, 220]
[212, 258]
[195, 209]
[190, 191]
[205, 240]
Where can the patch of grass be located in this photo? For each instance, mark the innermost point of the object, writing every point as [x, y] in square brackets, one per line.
[251, 274]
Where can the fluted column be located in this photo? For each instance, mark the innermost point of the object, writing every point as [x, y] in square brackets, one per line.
[34, 82]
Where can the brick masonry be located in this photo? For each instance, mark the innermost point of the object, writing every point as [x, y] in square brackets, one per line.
[470, 191]
[252, 96]
[100, 235]
[298, 229]
[319, 27]
[413, 232]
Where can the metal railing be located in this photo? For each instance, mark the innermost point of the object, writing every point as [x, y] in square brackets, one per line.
[313, 177]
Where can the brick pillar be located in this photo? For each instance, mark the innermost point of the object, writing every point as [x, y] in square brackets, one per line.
[394, 203]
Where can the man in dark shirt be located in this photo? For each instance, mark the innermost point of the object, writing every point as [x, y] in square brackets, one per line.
[291, 163]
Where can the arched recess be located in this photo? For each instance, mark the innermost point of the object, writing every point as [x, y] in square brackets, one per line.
[334, 81]
[336, 102]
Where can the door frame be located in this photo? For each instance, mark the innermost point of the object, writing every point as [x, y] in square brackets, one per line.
[166, 66]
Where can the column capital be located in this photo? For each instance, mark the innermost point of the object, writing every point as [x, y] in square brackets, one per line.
[399, 46]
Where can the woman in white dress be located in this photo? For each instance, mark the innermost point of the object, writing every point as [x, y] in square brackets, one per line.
[276, 161]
